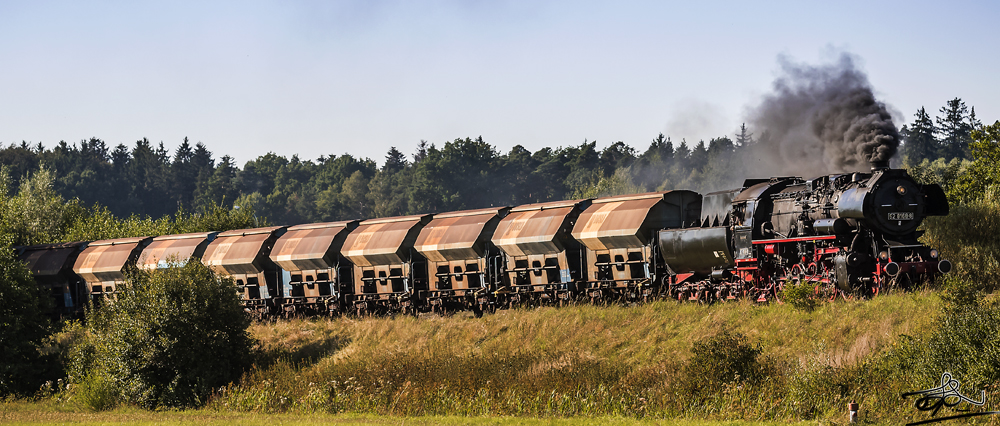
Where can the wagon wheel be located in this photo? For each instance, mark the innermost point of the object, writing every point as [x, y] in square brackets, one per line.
[411, 310]
[707, 295]
[796, 270]
[824, 290]
[813, 277]
[722, 294]
[595, 299]
[738, 290]
[518, 301]
[830, 287]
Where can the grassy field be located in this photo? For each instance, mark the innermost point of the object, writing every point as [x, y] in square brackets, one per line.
[579, 361]
[842, 332]
[572, 365]
[21, 413]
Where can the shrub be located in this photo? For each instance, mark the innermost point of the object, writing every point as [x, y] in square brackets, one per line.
[727, 357]
[801, 295]
[169, 338]
[984, 173]
[966, 343]
[23, 326]
[967, 237]
[37, 214]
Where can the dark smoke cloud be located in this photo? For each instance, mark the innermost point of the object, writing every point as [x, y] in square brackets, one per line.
[821, 120]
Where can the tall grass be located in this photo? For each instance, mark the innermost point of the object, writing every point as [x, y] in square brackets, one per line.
[968, 236]
[585, 361]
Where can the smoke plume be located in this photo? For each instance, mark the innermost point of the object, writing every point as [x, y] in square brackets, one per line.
[821, 120]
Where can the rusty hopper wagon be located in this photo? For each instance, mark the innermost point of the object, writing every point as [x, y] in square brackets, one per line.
[462, 263]
[103, 264]
[388, 273]
[318, 275]
[243, 255]
[52, 267]
[170, 250]
[619, 236]
[543, 261]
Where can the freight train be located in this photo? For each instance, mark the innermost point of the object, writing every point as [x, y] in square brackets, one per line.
[843, 235]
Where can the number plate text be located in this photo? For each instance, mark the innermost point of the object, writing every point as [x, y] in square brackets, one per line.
[901, 216]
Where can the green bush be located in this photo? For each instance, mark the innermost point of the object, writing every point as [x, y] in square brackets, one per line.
[36, 214]
[169, 339]
[966, 343]
[984, 173]
[23, 326]
[725, 358]
[968, 237]
[801, 295]
[97, 392]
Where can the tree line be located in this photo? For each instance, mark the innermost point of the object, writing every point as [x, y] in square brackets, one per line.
[947, 136]
[147, 180]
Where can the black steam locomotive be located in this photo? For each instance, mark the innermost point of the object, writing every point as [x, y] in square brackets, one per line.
[846, 234]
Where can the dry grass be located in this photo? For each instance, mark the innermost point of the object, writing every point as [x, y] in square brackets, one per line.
[585, 363]
[844, 332]
[573, 361]
[22, 413]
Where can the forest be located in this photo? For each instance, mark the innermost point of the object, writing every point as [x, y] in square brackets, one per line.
[148, 180]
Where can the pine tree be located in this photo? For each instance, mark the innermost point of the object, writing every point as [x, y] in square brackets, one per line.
[974, 123]
[744, 138]
[220, 188]
[699, 156]
[146, 171]
[183, 176]
[918, 138]
[955, 129]
[394, 161]
[421, 153]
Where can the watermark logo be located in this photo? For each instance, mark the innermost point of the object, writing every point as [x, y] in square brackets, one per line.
[947, 395]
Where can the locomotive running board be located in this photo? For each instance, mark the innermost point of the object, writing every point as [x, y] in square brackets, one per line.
[796, 239]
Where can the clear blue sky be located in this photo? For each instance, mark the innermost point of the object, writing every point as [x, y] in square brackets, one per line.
[333, 77]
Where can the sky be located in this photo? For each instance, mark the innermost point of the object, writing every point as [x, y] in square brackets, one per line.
[332, 77]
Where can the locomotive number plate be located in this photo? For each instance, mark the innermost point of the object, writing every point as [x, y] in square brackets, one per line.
[901, 216]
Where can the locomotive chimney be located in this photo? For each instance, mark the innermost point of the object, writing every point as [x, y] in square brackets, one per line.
[879, 165]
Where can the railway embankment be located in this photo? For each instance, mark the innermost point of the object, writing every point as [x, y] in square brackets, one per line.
[662, 359]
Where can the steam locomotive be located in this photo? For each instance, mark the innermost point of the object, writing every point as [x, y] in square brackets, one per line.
[844, 235]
